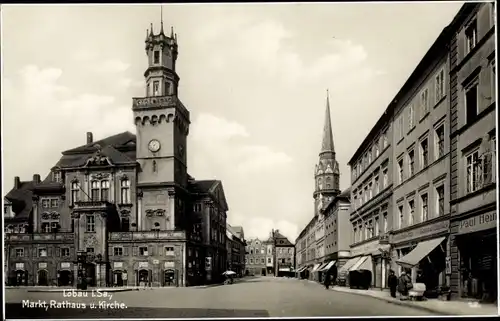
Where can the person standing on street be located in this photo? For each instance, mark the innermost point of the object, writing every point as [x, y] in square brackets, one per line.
[327, 281]
[393, 283]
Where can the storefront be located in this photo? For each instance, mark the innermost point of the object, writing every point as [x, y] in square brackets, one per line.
[475, 242]
[314, 272]
[423, 253]
[372, 265]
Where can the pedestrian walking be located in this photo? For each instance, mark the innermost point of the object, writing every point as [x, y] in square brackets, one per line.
[393, 283]
[327, 281]
[404, 285]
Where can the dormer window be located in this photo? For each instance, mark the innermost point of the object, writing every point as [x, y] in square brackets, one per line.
[56, 177]
[156, 57]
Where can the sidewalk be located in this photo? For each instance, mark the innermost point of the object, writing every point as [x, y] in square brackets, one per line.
[47, 289]
[430, 305]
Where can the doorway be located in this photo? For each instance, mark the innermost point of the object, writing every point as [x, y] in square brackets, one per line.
[169, 278]
[64, 278]
[90, 274]
[118, 278]
[43, 279]
[143, 277]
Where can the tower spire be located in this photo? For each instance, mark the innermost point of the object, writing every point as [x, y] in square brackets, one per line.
[161, 19]
[327, 144]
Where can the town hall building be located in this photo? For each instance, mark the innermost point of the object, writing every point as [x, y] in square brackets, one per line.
[125, 202]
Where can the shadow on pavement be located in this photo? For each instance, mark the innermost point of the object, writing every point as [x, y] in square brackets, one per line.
[16, 311]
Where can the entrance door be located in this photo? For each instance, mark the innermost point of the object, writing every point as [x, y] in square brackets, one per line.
[64, 278]
[118, 278]
[169, 278]
[90, 274]
[143, 277]
[263, 271]
[43, 278]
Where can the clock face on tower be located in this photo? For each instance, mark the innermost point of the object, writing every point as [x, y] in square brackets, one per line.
[154, 145]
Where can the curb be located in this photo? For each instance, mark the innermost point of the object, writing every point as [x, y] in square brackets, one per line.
[64, 290]
[398, 302]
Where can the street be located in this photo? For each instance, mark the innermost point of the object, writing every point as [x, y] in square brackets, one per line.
[249, 297]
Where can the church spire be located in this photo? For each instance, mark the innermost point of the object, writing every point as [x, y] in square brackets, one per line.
[327, 144]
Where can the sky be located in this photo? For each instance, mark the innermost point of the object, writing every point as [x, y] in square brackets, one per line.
[253, 76]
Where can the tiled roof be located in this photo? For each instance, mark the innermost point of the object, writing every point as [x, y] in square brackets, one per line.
[114, 141]
[202, 186]
[21, 199]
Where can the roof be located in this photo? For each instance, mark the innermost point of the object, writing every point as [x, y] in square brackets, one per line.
[327, 143]
[202, 187]
[116, 140]
[21, 199]
[441, 42]
[345, 195]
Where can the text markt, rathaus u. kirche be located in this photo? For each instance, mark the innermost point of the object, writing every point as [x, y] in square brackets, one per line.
[126, 201]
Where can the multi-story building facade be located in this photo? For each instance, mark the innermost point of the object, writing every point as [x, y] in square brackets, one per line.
[371, 203]
[285, 254]
[125, 202]
[270, 266]
[235, 249]
[337, 233]
[421, 171]
[255, 259]
[474, 237]
[326, 176]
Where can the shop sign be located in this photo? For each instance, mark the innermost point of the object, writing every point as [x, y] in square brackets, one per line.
[143, 265]
[169, 264]
[19, 266]
[448, 265]
[423, 231]
[117, 265]
[365, 248]
[477, 223]
[65, 265]
[42, 265]
[208, 263]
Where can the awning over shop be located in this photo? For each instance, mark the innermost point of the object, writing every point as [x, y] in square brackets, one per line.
[315, 268]
[320, 268]
[365, 263]
[348, 264]
[421, 251]
[328, 266]
[301, 269]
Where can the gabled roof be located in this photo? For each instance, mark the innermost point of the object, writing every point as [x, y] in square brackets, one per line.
[209, 187]
[21, 199]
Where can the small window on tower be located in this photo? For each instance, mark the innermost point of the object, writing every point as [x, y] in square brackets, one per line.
[167, 88]
[156, 88]
[156, 57]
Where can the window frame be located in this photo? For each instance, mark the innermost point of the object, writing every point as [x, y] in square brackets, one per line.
[118, 251]
[401, 217]
[90, 223]
[474, 83]
[411, 211]
[475, 170]
[471, 26]
[439, 85]
[424, 206]
[156, 57]
[125, 191]
[424, 102]
[411, 162]
[438, 151]
[437, 187]
[400, 168]
[424, 157]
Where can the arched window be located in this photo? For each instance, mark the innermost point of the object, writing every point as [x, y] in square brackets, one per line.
[125, 191]
[104, 190]
[94, 190]
[75, 192]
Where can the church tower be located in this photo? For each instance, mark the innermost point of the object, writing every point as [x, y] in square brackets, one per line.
[326, 173]
[162, 125]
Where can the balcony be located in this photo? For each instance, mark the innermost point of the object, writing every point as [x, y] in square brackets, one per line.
[147, 235]
[154, 102]
[41, 237]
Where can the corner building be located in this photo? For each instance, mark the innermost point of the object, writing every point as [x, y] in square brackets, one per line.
[474, 233]
[126, 201]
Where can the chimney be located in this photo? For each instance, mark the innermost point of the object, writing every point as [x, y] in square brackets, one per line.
[36, 178]
[90, 138]
[17, 182]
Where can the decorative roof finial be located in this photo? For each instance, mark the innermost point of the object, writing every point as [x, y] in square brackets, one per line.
[147, 34]
[171, 32]
[151, 31]
[161, 19]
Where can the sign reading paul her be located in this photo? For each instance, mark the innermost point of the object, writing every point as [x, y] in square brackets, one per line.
[477, 223]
